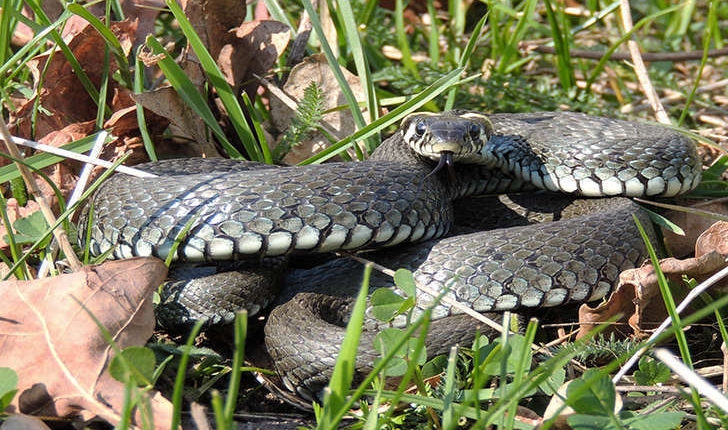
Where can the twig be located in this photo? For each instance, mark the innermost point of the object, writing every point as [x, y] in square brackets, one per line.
[675, 96]
[693, 379]
[695, 292]
[639, 66]
[80, 157]
[47, 264]
[621, 56]
[642, 388]
[45, 208]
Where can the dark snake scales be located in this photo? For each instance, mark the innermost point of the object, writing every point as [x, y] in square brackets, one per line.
[242, 211]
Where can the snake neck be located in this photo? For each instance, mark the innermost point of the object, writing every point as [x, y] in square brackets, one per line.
[396, 149]
[463, 181]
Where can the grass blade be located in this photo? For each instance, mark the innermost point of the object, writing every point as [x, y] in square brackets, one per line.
[346, 15]
[241, 332]
[340, 79]
[340, 384]
[186, 90]
[179, 382]
[429, 93]
[560, 35]
[465, 57]
[217, 80]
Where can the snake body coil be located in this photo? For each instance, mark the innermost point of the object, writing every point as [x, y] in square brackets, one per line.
[236, 211]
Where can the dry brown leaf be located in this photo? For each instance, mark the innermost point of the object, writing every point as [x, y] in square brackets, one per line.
[124, 126]
[145, 13]
[256, 48]
[637, 299]
[185, 123]
[693, 226]
[213, 21]
[68, 112]
[62, 93]
[57, 349]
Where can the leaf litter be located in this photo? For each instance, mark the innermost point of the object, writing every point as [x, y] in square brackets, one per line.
[48, 336]
[73, 117]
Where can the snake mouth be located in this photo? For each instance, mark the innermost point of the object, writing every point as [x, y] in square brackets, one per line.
[446, 159]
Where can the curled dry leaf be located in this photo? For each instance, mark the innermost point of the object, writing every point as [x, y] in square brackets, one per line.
[61, 93]
[145, 13]
[213, 21]
[184, 122]
[240, 48]
[256, 48]
[49, 338]
[637, 299]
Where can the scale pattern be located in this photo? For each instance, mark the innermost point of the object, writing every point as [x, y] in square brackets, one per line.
[242, 211]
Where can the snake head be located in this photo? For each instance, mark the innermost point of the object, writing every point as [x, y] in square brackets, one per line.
[455, 136]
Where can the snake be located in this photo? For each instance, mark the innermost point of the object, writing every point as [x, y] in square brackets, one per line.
[218, 211]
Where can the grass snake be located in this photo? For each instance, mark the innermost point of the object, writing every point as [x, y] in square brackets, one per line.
[240, 211]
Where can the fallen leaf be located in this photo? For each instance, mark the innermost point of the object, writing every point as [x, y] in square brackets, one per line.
[49, 338]
[62, 95]
[145, 13]
[124, 126]
[69, 113]
[694, 226]
[184, 122]
[637, 299]
[714, 239]
[213, 21]
[256, 48]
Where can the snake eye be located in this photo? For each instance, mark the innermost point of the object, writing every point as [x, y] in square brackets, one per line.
[420, 128]
[474, 131]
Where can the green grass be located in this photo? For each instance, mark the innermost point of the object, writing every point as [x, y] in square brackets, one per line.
[469, 57]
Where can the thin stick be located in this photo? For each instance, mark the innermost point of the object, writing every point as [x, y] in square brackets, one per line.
[639, 66]
[45, 208]
[691, 378]
[80, 157]
[695, 292]
[621, 56]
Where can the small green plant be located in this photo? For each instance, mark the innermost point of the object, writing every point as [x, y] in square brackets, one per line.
[8, 388]
[593, 398]
[308, 116]
[602, 349]
[651, 372]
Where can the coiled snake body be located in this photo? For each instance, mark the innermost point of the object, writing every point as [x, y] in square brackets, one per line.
[238, 211]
